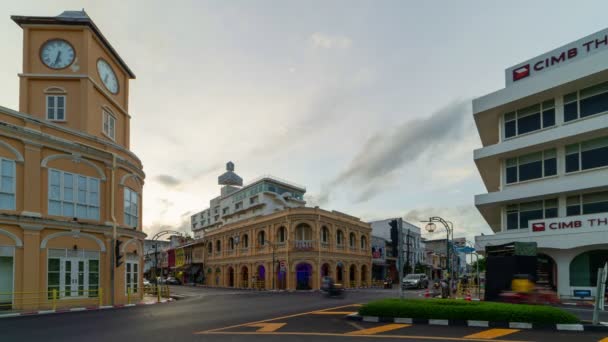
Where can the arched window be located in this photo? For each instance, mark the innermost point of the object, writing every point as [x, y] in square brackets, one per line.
[303, 232]
[218, 246]
[352, 240]
[281, 234]
[209, 248]
[231, 243]
[245, 241]
[261, 238]
[339, 238]
[324, 234]
[55, 103]
[363, 242]
[583, 268]
[131, 209]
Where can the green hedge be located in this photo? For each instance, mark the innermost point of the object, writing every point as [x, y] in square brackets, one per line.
[464, 310]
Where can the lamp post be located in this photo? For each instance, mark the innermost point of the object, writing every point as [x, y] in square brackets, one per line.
[449, 228]
[470, 244]
[273, 246]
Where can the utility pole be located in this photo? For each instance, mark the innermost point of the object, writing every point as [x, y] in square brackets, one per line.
[408, 260]
[400, 255]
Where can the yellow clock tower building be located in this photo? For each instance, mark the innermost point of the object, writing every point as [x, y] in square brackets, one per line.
[70, 188]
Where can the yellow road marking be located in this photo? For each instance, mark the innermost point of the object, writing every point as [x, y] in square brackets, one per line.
[492, 333]
[605, 339]
[411, 337]
[274, 319]
[268, 327]
[376, 330]
[333, 312]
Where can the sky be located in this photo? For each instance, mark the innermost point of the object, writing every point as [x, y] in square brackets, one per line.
[366, 103]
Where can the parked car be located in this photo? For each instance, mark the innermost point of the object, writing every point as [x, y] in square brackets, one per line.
[415, 281]
[172, 281]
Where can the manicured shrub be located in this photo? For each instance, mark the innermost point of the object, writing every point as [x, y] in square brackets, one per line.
[464, 310]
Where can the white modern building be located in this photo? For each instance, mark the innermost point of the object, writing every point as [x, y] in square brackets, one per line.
[544, 162]
[262, 196]
[413, 248]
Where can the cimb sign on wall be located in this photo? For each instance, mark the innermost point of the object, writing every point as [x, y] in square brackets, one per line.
[553, 59]
[584, 223]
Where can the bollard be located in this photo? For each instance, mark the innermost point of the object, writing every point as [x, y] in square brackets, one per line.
[54, 299]
[168, 292]
[100, 294]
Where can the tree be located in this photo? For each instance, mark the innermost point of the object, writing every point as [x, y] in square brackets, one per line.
[482, 265]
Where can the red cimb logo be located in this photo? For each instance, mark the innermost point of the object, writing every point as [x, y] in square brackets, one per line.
[538, 227]
[521, 72]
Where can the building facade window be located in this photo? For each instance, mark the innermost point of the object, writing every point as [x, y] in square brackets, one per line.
[583, 268]
[7, 184]
[587, 155]
[245, 241]
[363, 242]
[218, 246]
[209, 248]
[73, 195]
[238, 206]
[281, 235]
[529, 119]
[73, 273]
[518, 215]
[132, 274]
[261, 238]
[352, 240]
[109, 124]
[586, 102]
[225, 211]
[324, 235]
[231, 244]
[131, 208]
[339, 238]
[587, 204]
[254, 200]
[531, 166]
[55, 107]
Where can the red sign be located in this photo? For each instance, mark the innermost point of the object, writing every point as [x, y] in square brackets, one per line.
[538, 227]
[521, 72]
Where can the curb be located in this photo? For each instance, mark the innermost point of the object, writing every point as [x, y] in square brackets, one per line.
[478, 324]
[88, 308]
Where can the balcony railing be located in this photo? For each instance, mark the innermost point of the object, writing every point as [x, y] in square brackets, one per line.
[339, 246]
[304, 245]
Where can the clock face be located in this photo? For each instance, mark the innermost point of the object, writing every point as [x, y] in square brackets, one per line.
[107, 75]
[57, 54]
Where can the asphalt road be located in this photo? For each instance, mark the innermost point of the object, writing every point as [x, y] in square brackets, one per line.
[226, 315]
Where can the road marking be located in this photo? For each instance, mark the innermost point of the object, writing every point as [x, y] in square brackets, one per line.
[605, 339]
[380, 329]
[267, 327]
[273, 319]
[345, 313]
[492, 333]
[411, 337]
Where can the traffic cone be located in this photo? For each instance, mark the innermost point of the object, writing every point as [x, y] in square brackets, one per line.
[427, 293]
[468, 296]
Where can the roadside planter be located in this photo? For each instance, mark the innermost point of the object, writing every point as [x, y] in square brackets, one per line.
[474, 314]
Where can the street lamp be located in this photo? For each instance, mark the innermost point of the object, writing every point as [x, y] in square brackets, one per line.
[470, 244]
[273, 246]
[449, 228]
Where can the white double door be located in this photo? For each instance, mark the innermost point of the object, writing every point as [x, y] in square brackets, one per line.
[74, 280]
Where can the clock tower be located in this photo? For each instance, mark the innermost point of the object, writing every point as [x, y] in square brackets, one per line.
[73, 77]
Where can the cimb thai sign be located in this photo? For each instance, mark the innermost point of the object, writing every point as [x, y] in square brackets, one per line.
[570, 224]
[563, 55]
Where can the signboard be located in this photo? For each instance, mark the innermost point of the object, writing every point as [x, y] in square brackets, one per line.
[282, 266]
[582, 293]
[378, 251]
[180, 258]
[198, 254]
[551, 60]
[569, 224]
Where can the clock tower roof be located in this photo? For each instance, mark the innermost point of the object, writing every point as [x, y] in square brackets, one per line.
[76, 18]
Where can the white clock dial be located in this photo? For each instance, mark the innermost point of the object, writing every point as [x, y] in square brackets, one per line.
[57, 54]
[107, 75]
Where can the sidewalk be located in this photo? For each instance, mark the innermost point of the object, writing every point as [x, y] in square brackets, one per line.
[147, 300]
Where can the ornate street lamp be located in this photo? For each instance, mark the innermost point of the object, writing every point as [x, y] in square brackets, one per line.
[449, 228]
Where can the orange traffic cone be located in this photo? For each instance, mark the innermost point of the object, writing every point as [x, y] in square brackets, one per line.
[468, 296]
[427, 293]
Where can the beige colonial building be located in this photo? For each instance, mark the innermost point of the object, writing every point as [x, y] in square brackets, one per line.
[289, 249]
[70, 186]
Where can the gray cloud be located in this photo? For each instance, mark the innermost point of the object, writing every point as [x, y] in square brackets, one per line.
[168, 180]
[467, 221]
[391, 149]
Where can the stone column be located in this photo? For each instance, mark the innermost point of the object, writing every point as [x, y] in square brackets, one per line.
[31, 275]
[32, 181]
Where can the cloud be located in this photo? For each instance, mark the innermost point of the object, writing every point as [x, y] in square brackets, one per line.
[326, 41]
[391, 149]
[168, 180]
